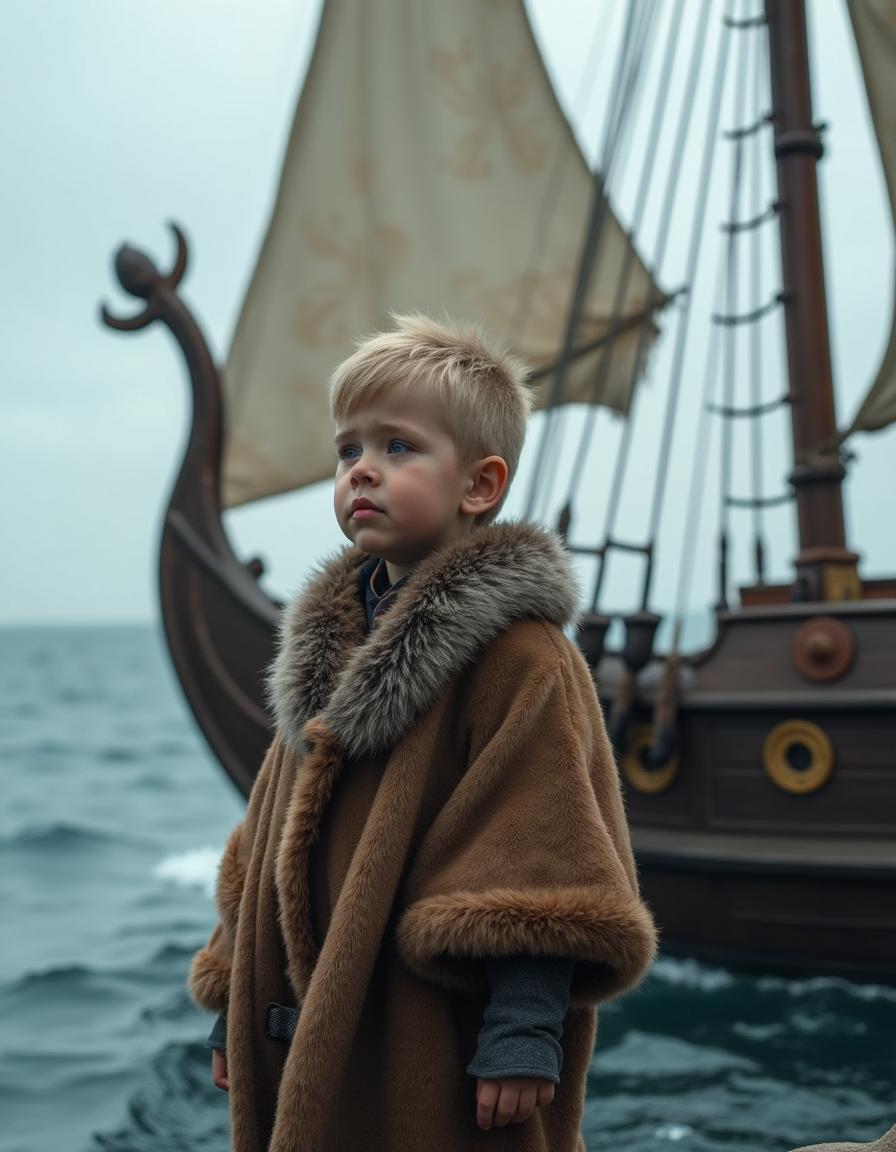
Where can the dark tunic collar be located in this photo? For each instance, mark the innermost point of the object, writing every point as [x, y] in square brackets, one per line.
[374, 589]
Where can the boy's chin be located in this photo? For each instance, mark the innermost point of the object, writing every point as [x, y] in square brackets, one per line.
[359, 530]
[369, 538]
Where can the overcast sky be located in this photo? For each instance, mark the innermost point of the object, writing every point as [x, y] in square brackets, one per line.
[119, 116]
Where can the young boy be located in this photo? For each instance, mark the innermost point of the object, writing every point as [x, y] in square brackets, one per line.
[433, 886]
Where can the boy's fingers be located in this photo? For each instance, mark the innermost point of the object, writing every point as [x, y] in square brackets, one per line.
[527, 1104]
[508, 1102]
[500, 1104]
[486, 1099]
[545, 1093]
[219, 1071]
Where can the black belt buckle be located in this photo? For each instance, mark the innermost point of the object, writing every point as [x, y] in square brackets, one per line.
[280, 1021]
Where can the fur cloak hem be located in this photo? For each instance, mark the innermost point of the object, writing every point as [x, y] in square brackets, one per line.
[497, 828]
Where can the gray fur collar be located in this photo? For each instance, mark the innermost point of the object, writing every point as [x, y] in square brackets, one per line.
[370, 688]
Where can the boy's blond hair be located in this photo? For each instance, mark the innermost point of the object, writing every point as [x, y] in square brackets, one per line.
[480, 389]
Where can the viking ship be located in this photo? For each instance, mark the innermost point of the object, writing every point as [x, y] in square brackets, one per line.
[430, 167]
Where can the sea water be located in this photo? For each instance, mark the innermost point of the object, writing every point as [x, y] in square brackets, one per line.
[112, 819]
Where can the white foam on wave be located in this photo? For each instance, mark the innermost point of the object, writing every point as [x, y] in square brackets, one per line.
[814, 984]
[673, 1132]
[197, 868]
[689, 973]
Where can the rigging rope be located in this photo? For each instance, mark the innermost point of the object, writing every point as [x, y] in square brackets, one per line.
[632, 100]
[731, 295]
[747, 317]
[753, 409]
[672, 186]
[729, 411]
[762, 217]
[620, 93]
[660, 481]
[756, 341]
[697, 485]
[750, 129]
[622, 283]
[698, 475]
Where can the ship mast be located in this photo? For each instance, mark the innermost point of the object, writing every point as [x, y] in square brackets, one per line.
[826, 569]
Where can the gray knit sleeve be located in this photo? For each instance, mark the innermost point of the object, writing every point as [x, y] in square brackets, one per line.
[523, 1022]
[217, 1038]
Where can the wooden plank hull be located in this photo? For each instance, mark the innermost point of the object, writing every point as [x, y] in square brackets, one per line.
[737, 867]
[795, 913]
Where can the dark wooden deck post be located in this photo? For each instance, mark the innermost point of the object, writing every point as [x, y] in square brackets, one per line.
[826, 569]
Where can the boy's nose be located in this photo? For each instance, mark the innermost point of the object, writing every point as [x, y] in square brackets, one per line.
[362, 470]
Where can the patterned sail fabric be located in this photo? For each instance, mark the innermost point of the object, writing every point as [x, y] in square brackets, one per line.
[430, 168]
[874, 26]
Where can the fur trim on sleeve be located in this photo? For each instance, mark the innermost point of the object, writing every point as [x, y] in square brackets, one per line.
[609, 934]
[209, 980]
[531, 854]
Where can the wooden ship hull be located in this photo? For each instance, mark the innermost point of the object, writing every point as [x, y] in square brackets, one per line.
[760, 774]
[774, 842]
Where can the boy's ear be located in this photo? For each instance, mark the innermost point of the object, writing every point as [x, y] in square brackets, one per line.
[487, 481]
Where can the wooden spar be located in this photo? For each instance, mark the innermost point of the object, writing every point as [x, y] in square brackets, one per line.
[826, 569]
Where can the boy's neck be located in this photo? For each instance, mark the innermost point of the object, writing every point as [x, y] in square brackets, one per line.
[395, 572]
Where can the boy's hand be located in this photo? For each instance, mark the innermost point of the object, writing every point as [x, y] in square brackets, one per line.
[219, 1070]
[511, 1100]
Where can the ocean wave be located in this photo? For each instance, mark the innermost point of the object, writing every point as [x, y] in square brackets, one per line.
[673, 1132]
[690, 973]
[653, 1056]
[161, 926]
[693, 974]
[196, 868]
[119, 754]
[64, 974]
[813, 985]
[27, 709]
[68, 987]
[166, 748]
[174, 953]
[60, 748]
[154, 782]
[63, 836]
[175, 1105]
[68, 694]
[85, 982]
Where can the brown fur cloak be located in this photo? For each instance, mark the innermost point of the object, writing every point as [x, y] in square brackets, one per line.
[437, 792]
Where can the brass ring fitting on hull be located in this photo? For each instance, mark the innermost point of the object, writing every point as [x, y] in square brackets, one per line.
[780, 743]
[641, 778]
[823, 649]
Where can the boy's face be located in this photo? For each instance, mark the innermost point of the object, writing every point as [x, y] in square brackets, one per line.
[396, 453]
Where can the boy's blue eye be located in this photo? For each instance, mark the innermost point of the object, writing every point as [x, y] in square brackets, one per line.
[342, 453]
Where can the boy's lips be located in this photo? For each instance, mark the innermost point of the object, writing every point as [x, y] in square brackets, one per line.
[363, 505]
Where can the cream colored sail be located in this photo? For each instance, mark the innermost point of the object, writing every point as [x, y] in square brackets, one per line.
[428, 168]
[874, 26]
